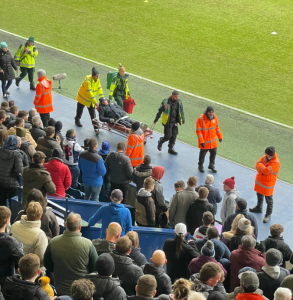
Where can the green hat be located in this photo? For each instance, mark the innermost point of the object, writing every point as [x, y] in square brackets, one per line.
[20, 131]
[31, 39]
[3, 45]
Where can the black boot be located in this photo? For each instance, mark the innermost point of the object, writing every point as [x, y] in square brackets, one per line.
[160, 144]
[17, 81]
[256, 209]
[77, 122]
[201, 168]
[32, 86]
[172, 151]
[212, 168]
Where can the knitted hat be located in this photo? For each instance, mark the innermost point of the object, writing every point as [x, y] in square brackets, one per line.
[230, 182]
[246, 269]
[10, 142]
[116, 195]
[106, 146]
[273, 257]
[105, 265]
[3, 45]
[51, 122]
[270, 151]
[241, 203]
[216, 296]
[208, 249]
[158, 172]
[20, 131]
[249, 280]
[95, 72]
[175, 93]
[41, 73]
[210, 108]
[135, 126]
[180, 228]
[31, 39]
[57, 153]
[244, 224]
[46, 286]
[58, 125]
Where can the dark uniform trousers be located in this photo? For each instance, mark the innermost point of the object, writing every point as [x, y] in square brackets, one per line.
[202, 155]
[79, 111]
[269, 201]
[170, 134]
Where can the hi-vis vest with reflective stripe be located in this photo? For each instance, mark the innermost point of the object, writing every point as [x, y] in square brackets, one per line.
[267, 174]
[88, 91]
[208, 132]
[135, 149]
[27, 60]
[43, 98]
[116, 81]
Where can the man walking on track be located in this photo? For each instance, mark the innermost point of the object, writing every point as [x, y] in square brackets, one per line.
[43, 98]
[172, 109]
[208, 132]
[86, 96]
[267, 173]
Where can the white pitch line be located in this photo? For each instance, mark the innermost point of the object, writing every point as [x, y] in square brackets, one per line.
[160, 84]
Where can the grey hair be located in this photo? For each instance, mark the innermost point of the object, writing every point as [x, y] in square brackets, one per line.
[248, 241]
[210, 179]
[282, 294]
[32, 112]
[36, 120]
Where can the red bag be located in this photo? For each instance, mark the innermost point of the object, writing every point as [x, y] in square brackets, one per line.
[128, 105]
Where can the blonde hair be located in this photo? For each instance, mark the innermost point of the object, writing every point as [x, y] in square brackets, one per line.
[181, 288]
[34, 211]
[229, 234]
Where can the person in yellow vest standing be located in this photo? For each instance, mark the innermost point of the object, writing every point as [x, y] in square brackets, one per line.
[86, 96]
[25, 56]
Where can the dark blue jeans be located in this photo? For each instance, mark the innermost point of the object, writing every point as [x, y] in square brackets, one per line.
[5, 86]
[74, 170]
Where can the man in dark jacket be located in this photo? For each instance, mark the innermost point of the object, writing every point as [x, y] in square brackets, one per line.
[11, 115]
[156, 268]
[141, 172]
[119, 168]
[241, 205]
[145, 288]
[126, 271]
[138, 258]
[24, 115]
[2, 119]
[10, 249]
[37, 131]
[197, 208]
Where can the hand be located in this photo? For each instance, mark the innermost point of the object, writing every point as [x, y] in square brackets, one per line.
[202, 144]
[220, 140]
[112, 120]
[1, 71]
[26, 50]
[97, 106]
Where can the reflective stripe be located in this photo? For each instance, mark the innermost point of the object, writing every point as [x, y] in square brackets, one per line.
[42, 106]
[38, 96]
[99, 88]
[92, 97]
[271, 170]
[275, 173]
[137, 158]
[131, 147]
[264, 186]
[28, 65]
[84, 98]
[208, 142]
[218, 131]
[197, 128]
[262, 168]
[210, 128]
[95, 91]
[199, 136]
[47, 93]
[202, 123]
[89, 90]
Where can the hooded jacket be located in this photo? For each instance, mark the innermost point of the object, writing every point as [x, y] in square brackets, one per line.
[47, 144]
[229, 204]
[214, 196]
[138, 258]
[135, 147]
[103, 246]
[112, 212]
[200, 232]
[140, 173]
[145, 210]
[233, 295]
[108, 288]
[37, 132]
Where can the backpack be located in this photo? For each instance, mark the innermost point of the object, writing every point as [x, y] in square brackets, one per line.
[110, 76]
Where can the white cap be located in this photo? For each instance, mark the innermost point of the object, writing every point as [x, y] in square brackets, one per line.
[180, 228]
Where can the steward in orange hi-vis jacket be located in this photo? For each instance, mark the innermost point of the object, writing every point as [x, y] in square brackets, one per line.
[208, 132]
[267, 173]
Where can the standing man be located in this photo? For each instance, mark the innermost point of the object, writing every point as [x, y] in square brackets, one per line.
[43, 98]
[208, 132]
[172, 109]
[25, 56]
[267, 173]
[86, 96]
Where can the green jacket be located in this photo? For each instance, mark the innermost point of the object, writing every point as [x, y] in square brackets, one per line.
[120, 83]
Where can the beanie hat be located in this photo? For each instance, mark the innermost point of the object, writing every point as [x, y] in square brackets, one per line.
[230, 182]
[244, 224]
[41, 73]
[176, 93]
[105, 265]
[20, 131]
[180, 228]
[158, 172]
[51, 122]
[3, 45]
[31, 39]
[95, 72]
[58, 125]
[210, 108]
[106, 146]
[208, 249]
[270, 151]
[46, 286]
[246, 269]
[57, 153]
[135, 126]
[10, 142]
[273, 257]
[241, 203]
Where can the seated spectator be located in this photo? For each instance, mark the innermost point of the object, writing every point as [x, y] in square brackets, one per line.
[283, 294]
[59, 172]
[113, 212]
[2, 119]
[23, 286]
[24, 114]
[229, 202]
[145, 210]
[69, 255]
[92, 167]
[145, 288]
[32, 112]
[201, 231]
[11, 167]
[58, 127]
[49, 223]
[23, 155]
[156, 268]
[196, 210]
[71, 151]
[104, 151]
[207, 255]
[51, 122]
[275, 240]
[25, 146]
[208, 280]
[288, 283]
[11, 116]
[141, 172]
[108, 244]
[10, 249]
[271, 275]
[214, 196]
[138, 258]
[47, 143]
[245, 256]
[82, 289]
[36, 176]
[241, 208]
[106, 286]
[37, 130]
[125, 269]
[181, 202]
[181, 290]
[179, 253]
[157, 193]
[227, 236]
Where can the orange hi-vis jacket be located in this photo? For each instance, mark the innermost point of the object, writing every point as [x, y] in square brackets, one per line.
[267, 174]
[208, 132]
[43, 98]
[135, 149]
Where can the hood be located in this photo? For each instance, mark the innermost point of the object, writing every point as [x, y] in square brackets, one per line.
[150, 269]
[33, 172]
[158, 172]
[135, 252]
[138, 132]
[103, 152]
[55, 164]
[143, 170]
[30, 224]
[143, 193]
[121, 259]
[11, 142]
[116, 208]
[272, 242]
[203, 229]
[235, 192]
[273, 272]
[198, 285]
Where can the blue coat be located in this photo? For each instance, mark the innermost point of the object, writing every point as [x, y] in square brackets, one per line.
[214, 196]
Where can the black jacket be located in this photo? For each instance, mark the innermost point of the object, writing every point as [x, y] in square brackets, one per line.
[178, 267]
[103, 246]
[235, 241]
[195, 213]
[138, 258]
[164, 284]
[24, 157]
[110, 111]
[10, 254]
[17, 289]
[37, 132]
[127, 272]
[140, 173]
[214, 196]
[107, 288]
[47, 145]
[7, 64]
[157, 195]
[119, 167]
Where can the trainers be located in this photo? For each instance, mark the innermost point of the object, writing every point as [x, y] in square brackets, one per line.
[266, 218]
[213, 169]
[7, 92]
[172, 151]
[201, 169]
[4, 96]
[255, 209]
[160, 144]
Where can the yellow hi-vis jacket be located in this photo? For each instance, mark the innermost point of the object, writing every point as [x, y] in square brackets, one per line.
[88, 91]
[26, 59]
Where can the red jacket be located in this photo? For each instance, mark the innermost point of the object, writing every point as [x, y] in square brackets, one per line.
[60, 174]
[244, 257]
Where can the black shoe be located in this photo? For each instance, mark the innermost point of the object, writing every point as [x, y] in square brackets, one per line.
[17, 81]
[201, 169]
[172, 151]
[160, 144]
[213, 169]
[77, 122]
[256, 209]
[32, 87]
[266, 218]
[97, 131]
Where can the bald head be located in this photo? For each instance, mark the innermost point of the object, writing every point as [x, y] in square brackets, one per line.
[159, 258]
[113, 232]
[73, 222]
